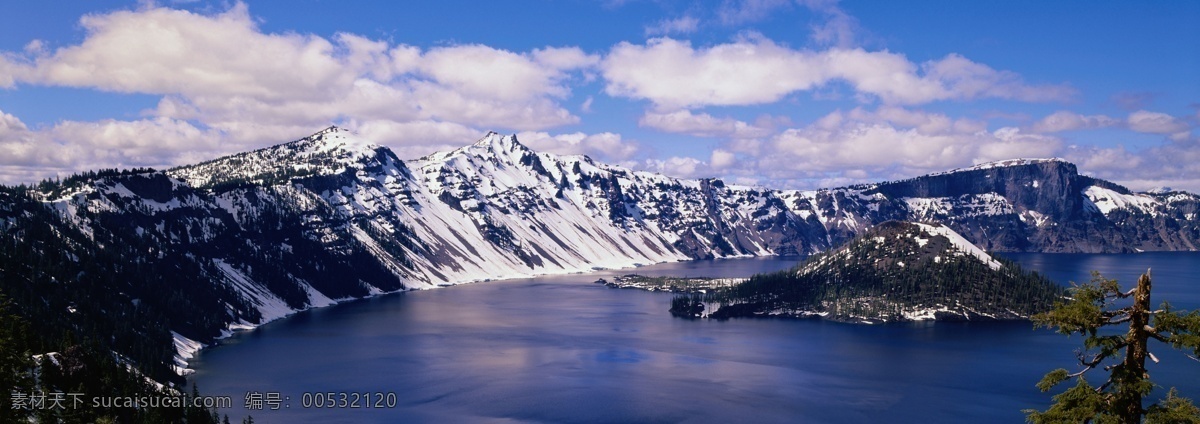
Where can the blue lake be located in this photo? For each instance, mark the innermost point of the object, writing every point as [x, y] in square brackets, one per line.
[562, 349]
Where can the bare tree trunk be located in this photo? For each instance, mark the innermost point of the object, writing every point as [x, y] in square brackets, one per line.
[1129, 398]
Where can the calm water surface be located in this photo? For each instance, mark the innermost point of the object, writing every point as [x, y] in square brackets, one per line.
[561, 349]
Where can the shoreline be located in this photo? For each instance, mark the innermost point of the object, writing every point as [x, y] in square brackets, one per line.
[186, 349]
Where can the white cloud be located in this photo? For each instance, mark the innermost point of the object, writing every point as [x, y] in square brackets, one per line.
[678, 167]
[224, 77]
[862, 146]
[681, 25]
[722, 159]
[966, 79]
[1067, 121]
[923, 122]
[11, 127]
[1175, 163]
[755, 70]
[865, 146]
[223, 66]
[704, 125]
[499, 74]
[414, 139]
[608, 146]
[166, 51]
[672, 74]
[1156, 123]
[70, 146]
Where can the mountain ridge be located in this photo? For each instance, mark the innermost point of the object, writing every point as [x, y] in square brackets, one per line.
[279, 229]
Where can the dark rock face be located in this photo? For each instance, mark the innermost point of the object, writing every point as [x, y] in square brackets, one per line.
[1055, 195]
[1046, 206]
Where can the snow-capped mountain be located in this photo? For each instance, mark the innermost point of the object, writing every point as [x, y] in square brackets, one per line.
[331, 216]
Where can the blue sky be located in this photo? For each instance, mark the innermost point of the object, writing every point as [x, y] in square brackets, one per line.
[782, 93]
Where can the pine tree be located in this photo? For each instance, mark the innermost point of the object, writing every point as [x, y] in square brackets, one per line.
[15, 362]
[1119, 400]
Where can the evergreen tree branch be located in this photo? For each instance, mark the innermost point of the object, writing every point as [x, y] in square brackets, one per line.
[1120, 399]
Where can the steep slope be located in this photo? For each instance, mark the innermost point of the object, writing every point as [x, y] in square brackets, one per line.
[896, 271]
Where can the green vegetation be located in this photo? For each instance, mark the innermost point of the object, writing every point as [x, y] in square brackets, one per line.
[55, 187]
[672, 284]
[885, 275]
[97, 311]
[1091, 308]
[75, 374]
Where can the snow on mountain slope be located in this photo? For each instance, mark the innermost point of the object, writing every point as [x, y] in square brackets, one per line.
[1003, 164]
[1106, 200]
[328, 151]
[332, 217]
[960, 243]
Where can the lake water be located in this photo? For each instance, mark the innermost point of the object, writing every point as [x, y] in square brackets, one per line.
[562, 349]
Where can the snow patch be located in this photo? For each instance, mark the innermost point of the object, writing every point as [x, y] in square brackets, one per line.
[1108, 200]
[960, 243]
[185, 349]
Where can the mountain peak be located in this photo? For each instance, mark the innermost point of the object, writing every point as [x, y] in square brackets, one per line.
[499, 142]
[327, 151]
[912, 242]
[335, 140]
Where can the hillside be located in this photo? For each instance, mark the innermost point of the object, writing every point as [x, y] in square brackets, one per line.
[897, 271]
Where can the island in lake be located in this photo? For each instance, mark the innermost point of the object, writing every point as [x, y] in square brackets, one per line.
[896, 272]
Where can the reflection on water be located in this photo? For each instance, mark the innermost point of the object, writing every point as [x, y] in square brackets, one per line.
[561, 349]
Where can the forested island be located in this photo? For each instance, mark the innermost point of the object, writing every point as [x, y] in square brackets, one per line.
[896, 272]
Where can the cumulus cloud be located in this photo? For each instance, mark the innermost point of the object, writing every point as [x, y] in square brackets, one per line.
[678, 167]
[1142, 121]
[872, 145]
[27, 155]
[486, 71]
[922, 121]
[722, 159]
[1157, 123]
[8, 70]
[223, 76]
[1175, 164]
[863, 145]
[868, 145]
[858, 145]
[705, 125]
[754, 70]
[606, 145]
[1066, 121]
[414, 139]
[166, 51]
